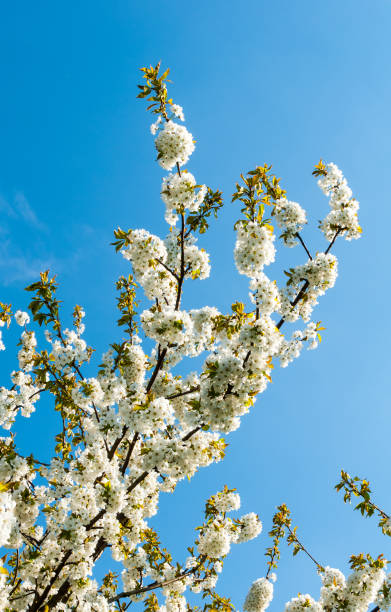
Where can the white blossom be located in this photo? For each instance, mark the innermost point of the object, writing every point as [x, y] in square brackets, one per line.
[259, 596]
[22, 318]
[174, 145]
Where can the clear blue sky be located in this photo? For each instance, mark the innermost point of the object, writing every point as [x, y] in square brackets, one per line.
[280, 82]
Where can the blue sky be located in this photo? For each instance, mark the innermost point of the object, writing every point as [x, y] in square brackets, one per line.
[279, 82]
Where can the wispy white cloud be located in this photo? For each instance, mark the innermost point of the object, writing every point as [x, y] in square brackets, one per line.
[18, 266]
[21, 210]
[18, 262]
[6, 208]
[28, 248]
[25, 211]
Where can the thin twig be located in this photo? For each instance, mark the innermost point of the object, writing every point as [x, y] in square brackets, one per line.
[304, 245]
[168, 269]
[132, 444]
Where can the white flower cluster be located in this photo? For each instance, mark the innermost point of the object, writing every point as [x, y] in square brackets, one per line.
[303, 603]
[178, 111]
[143, 250]
[383, 599]
[174, 145]
[334, 584]
[216, 540]
[148, 255]
[11, 401]
[291, 349]
[217, 536]
[73, 349]
[154, 416]
[261, 336]
[362, 587]
[291, 218]
[4, 588]
[178, 459]
[259, 596]
[254, 248]
[179, 193]
[365, 586]
[169, 327]
[344, 208]
[203, 329]
[157, 264]
[250, 527]
[265, 294]
[195, 260]
[22, 318]
[320, 273]
[134, 365]
[26, 353]
[7, 516]
[226, 502]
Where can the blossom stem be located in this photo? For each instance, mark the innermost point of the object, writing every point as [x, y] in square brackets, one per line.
[304, 245]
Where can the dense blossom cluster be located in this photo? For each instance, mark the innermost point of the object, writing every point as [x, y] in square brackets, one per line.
[291, 218]
[179, 193]
[174, 145]
[7, 517]
[259, 596]
[137, 428]
[344, 208]
[318, 275]
[366, 585]
[265, 294]
[220, 532]
[291, 349]
[254, 248]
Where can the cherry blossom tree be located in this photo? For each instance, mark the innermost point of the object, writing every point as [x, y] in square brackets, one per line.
[135, 429]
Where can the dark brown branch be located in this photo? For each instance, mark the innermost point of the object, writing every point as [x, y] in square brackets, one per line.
[168, 269]
[296, 539]
[304, 245]
[175, 395]
[333, 240]
[132, 444]
[155, 585]
[295, 301]
[156, 371]
[182, 272]
[117, 442]
[15, 587]
[191, 433]
[41, 600]
[16, 568]
[306, 284]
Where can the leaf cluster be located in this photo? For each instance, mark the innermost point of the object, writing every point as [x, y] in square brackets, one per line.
[361, 560]
[359, 487]
[211, 510]
[5, 313]
[231, 324]
[158, 556]
[212, 203]
[260, 188]
[281, 520]
[155, 90]
[126, 303]
[44, 306]
[122, 239]
[320, 169]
